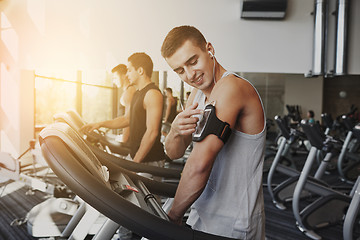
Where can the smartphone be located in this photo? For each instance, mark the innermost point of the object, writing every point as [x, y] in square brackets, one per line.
[201, 126]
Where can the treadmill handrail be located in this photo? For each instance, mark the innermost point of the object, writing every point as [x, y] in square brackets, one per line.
[62, 130]
[133, 166]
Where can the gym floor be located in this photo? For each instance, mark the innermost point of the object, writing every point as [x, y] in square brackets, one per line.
[15, 203]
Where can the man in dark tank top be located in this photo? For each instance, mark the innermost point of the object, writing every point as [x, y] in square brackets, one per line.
[146, 111]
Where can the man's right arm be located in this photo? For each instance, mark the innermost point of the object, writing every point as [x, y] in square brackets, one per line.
[119, 122]
[180, 135]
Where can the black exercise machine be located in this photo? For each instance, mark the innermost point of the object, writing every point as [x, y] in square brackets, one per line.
[121, 195]
[73, 119]
[331, 206]
[283, 192]
[349, 158]
[97, 137]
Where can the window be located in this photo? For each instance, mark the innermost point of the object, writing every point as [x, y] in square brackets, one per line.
[90, 93]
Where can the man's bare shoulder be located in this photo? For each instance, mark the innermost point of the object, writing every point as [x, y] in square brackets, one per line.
[129, 92]
[244, 100]
[232, 88]
[153, 93]
[153, 99]
[130, 89]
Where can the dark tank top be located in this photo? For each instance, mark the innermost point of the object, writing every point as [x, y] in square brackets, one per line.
[138, 126]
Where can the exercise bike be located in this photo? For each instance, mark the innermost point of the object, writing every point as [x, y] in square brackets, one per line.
[283, 192]
[331, 205]
[349, 158]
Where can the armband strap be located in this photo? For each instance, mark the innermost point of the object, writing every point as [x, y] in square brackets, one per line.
[219, 128]
[225, 133]
[213, 125]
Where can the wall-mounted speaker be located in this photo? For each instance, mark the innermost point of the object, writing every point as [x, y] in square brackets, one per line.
[263, 9]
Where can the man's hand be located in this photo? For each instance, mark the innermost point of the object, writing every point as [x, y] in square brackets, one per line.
[185, 122]
[90, 127]
[182, 127]
[173, 219]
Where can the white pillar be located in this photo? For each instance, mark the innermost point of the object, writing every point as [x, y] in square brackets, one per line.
[16, 110]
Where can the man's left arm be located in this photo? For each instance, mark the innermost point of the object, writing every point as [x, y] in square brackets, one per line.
[200, 162]
[153, 104]
[195, 176]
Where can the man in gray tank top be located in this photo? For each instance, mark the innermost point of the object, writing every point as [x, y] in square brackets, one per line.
[222, 180]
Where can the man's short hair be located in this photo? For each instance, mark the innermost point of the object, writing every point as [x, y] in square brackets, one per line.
[178, 36]
[121, 69]
[142, 60]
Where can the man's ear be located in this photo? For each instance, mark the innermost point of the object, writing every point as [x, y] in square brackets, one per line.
[140, 70]
[210, 48]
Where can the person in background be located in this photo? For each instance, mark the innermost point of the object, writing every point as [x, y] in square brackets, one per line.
[187, 94]
[144, 115]
[310, 116]
[171, 106]
[120, 79]
[128, 90]
[170, 111]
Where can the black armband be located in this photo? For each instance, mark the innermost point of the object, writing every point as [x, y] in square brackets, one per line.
[211, 124]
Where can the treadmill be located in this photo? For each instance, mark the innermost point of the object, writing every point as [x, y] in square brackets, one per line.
[121, 195]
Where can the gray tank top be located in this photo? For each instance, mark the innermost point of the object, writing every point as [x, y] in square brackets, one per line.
[232, 203]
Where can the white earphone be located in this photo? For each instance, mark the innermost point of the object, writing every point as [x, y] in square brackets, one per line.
[211, 54]
[213, 57]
